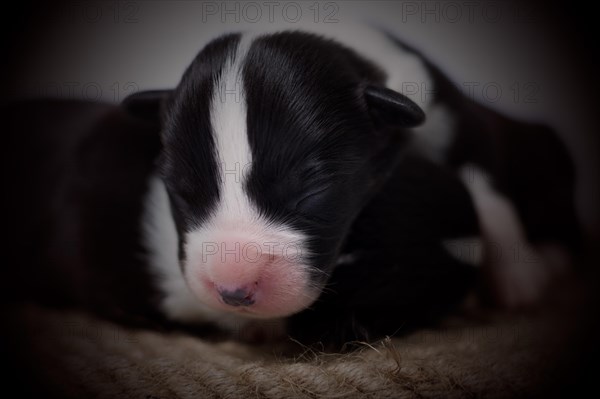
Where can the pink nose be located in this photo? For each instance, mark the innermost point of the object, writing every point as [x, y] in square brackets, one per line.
[241, 275]
[238, 297]
[239, 272]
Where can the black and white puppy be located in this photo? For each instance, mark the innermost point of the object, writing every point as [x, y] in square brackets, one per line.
[286, 177]
[273, 146]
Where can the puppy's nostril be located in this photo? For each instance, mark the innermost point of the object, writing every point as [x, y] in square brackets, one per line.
[239, 297]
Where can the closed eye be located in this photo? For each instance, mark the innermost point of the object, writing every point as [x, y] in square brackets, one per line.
[311, 196]
[313, 206]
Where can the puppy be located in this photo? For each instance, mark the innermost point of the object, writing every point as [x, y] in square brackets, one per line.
[285, 178]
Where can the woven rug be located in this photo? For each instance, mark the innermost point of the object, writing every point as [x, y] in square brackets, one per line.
[73, 354]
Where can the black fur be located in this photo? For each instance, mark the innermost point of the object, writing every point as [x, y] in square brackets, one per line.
[397, 236]
[314, 143]
[401, 277]
[77, 173]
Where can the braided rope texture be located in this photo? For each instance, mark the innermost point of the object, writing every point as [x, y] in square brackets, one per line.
[72, 354]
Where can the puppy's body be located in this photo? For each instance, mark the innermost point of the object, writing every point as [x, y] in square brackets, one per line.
[77, 174]
[289, 140]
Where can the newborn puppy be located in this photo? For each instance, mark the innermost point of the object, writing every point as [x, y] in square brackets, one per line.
[273, 146]
[285, 178]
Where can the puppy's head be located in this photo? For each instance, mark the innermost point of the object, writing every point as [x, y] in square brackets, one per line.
[271, 147]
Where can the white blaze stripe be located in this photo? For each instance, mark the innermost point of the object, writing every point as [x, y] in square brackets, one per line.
[228, 120]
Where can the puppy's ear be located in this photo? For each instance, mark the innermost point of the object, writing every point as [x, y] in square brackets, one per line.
[147, 105]
[391, 109]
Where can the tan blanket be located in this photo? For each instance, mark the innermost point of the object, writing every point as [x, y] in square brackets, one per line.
[73, 354]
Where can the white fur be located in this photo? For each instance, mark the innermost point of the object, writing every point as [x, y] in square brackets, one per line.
[519, 271]
[228, 120]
